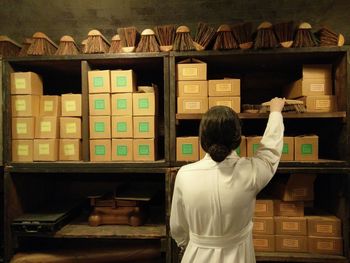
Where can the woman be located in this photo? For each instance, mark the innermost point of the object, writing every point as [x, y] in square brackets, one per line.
[214, 199]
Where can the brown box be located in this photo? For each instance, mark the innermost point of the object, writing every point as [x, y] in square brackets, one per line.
[264, 208]
[242, 148]
[45, 150]
[295, 226]
[187, 149]
[306, 148]
[121, 104]
[47, 127]
[23, 128]
[285, 243]
[145, 149]
[231, 102]
[308, 87]
[50, 106]
[100, 127]
[317, 71]
[253, 143]
[324, 226]
[144, 103]
[99, 81]
[264, 243]
[288, 208]
[71, 105]
[326, 245]
[123, 81]
[25, 105]
[122, 149]
[192, 105]
[99, 104]
[26, 83]
[144, 127]
[322, 103]
[22, 150]
[224, 87]
[70, 150]
[100, 150]
[192, 88]
[288, 149]
[122, 127]
[191, 69]
[263, 225]
[70, 128]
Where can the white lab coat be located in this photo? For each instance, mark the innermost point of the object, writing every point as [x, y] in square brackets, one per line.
[213, 203]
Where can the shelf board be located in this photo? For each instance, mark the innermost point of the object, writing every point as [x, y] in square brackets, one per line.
[298, 257]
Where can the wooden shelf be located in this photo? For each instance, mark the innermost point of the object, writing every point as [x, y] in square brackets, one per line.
[297, 257]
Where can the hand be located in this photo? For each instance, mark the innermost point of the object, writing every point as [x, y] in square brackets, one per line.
[276, 104]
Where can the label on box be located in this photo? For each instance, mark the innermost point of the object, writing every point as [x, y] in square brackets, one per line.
[191, 89]
[20, 83]
[98, 82]
[259, 226]
[325, 245]
[69, 149]
[143, 127]
[121, 81]
[299, 192]
[23, 150]
[285, 148]
[189, 72]
[238, 150]
[99, 127]
[260, 208]
[223, 87]
[45, 126]
[121, 104]
[321, 104]
[122, 127]
[291, 226]
[291, 243]
[326, 229]
[71, 127]
[319, 87]
[287, 207]
[255, 147]
[187, 148]
[226, 103]
[143, 104]
[99, 104]
[122, 150]
[192, 105]
[260, 242]
[44, 149]
[48, 105]
[21, 105]
[21, 128]
[100, 150]
[144, 149]
[70, 105]
[306, 148]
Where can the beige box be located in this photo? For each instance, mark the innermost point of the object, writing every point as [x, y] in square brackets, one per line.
[70, 150]
[45, 150]
[264, 243]
[192, 88]
[242, 148]
[308, 87]
[144, 104]
[26, 83]
[22, 150]
[122, 127]
[263, 225]
[288, 149]
[71, 105]
[286, 243]
[187, 149]
[99, 104]
[253, 143]
[122, 149]
[100, 127]
[192, 105]
[99, 81]
[326, 245]
[295, 226]
[191, 69]
[100, 150]
[145, 149]
[306, 148]
[231, 102]
[70, 128]
[123, 81]
[322, 103]
[282, 208]
[121, 104]
[317, 71]
[324, 226]
[224, 87]
[23, 128]
[50, 106]
[144, 127]
[25, 105]
[264, 208]
[47, 127]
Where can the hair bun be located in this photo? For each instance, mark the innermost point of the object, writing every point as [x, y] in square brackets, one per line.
[218, 152]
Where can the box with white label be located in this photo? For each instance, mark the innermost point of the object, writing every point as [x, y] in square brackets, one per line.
[26, 83]
[264, 243]
[231, 102]
[324, 226]
[46, 150]
[70, 128]
[70, 150]
[71, 105]
[224, 87]
[290, 226]
[322, 103]
[192, 88]
[308, 87]
[289, 243]
[191, 69]
[25, 105]
[23, 128]
[47, 127]
[263, 225]
[288, 208]
[192, 104]
[326, 245]
[22, 150]
[264, 208]
[50, 106]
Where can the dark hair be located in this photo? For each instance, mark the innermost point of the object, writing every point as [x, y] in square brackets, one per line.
[220, 132]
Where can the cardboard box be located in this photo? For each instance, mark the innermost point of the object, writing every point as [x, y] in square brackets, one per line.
[264, 208]
[70, 150]
[71, 105]
[317, 71]
[25, 105]
[322, 103]
[285, 243]
[192, 88]
[306, 148]
[22, 150]
[224, 87]
[326, 245]
[192, 105]
[187, 149]
[145, 149]
[264, 243]
[144, 103]
[242, 148]
[231, 102]
[45, 150]
[23, 128]
[324, 226]
[99, 81]
[121, 104]
[122, 127]
[253, 143]
[47, 127]
[99, 104]
[50, 106]
[70, 128]
[288, 149]
[123, 81]
[308, 87]
[100, 150]
[144, 127]
[263, 225]
[295, 226]
[100, 127]
[122, 149]
[295, 208]
[191, 69]
[26, 83]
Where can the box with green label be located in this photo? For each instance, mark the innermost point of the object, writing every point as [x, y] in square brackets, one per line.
[50, 105]
[145, 149]
[47, 127]
[123, 81]
[100, 150]
[122, 149]
[306, 148]
[100, 127]
[45, 150]
[122, 127]
[99, 81]
[22, 150]
[144, 103]
[26, 83]
[242, 148]
[144, 127]
[253, 143]
[99, 104]
[70, 128]
[25, 105]
[121, 104]
[70, 150]
[71, 105]
[187, 149]
[23, 127]
[288, 149]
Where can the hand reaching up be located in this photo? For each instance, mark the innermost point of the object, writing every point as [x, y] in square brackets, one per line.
[276, 104]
